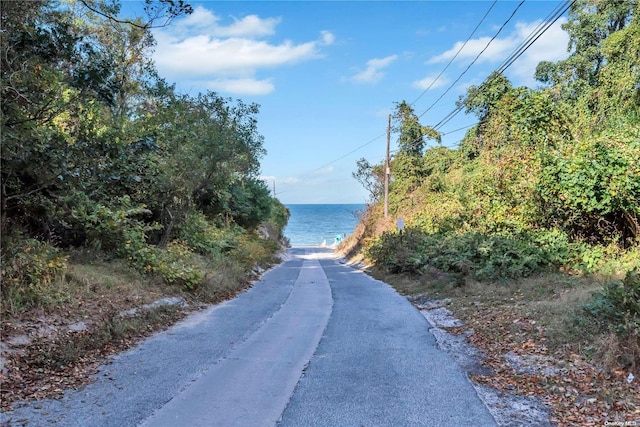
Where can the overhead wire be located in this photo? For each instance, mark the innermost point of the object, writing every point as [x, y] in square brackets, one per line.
[515, 55]
[417, 141]
[459, 129]
[457, 53]
[467, 69]
[475, 59]
[422, 94]
[532, 38]
[338, 159]
[540, 29]
[345, 155]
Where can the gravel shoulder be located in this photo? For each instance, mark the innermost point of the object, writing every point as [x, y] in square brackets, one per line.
[508, 409]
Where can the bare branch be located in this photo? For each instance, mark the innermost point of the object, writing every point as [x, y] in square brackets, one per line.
[186, 9]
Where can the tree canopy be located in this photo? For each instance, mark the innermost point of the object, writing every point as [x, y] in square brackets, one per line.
[98, 150]
[558, 165]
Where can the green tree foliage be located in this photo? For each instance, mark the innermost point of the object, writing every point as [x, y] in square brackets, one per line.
[549, 177]
[412, 140]
[412, 135]
[480, 100]
[98, 151]
[592, 188]
[590, 23]
[371, 177]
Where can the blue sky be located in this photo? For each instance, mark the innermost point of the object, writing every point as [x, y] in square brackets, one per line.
[326, 74]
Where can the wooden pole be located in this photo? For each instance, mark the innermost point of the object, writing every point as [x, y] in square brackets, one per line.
[387, 171]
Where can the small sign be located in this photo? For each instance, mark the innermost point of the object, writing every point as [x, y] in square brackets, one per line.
[400, 224]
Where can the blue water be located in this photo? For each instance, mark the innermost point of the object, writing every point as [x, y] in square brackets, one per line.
[315, 224]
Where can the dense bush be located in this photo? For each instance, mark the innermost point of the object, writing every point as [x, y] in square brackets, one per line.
[592, 188]
[548, 177]
[481, 256]
[617, 306]
[28, 268]
[204, 237]
[109, 156]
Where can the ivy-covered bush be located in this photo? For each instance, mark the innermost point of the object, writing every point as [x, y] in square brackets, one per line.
[112, 228]
[478, 255]
[176, 264]
[592, 187]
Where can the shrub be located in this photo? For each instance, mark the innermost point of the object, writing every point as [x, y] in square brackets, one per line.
[28, 269]
[617, 306]
[399, 252]
[203, 236]
[279, 216]
[110, 228]
[482, 256]
[591, 187]
[177, 264]
[252, 251]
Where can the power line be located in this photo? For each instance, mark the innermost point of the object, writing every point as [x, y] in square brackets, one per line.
[456, 55]
[532, 38]
[537, 33]
[475, 59]
[425, 91]
[459, 129]
[335, 160]
[468, 67]
[345, 155]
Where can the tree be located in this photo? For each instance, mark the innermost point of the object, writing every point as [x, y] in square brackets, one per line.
[590, 23]
[371, 177]
[480, 100]
[413, 135]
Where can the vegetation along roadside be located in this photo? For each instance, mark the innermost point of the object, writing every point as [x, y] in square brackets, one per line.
[530, 227]
[124, 203]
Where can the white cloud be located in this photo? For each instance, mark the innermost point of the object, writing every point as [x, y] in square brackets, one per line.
[551, 46]
[227, 58]
[430, 82]
[203, 56]
[498, 50]
[373, 73]
[327, 38]
[250, 26]
[205, 21]
[384, 112]
[241, 86]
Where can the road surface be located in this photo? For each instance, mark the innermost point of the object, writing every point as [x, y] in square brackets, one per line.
[313, 343]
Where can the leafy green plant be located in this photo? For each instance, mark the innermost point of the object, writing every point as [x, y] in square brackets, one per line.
[177, 265]
[592, 187]
[203, 236]
[112, 228]
[29, 267]
[617, 306]
[481, 256]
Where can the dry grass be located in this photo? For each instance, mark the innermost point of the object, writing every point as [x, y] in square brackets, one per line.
[554, 301]
[579, 372]
[43, 354]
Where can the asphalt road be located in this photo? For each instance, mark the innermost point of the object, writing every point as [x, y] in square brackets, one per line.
[313, 343]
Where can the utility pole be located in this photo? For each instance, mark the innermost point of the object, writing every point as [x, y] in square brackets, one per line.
[387, 171]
